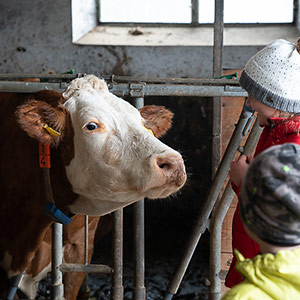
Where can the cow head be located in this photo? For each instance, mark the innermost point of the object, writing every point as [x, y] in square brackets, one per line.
[113, 156]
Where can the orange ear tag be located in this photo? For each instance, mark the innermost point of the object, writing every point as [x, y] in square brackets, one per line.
[44, 155]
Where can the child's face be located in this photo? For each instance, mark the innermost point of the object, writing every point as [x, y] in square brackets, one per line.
[264, 112]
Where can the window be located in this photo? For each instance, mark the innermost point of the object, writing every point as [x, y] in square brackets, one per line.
[182, 22]
[180, 11]
[145, 11]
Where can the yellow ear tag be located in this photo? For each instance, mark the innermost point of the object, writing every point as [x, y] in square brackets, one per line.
[51, 130]
[149, 130]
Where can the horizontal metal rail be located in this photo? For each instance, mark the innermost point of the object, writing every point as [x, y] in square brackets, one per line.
[123, 89]
[93, 268]
[121, 79]
[31, 87]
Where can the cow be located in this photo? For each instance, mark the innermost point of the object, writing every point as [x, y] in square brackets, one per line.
[103, 157]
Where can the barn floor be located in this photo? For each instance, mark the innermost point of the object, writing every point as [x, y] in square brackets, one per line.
[157, 276]
[158, 273]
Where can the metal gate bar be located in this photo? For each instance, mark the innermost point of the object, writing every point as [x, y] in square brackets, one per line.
[139, 290]
[227, 89]
[218, 216]
[202, 220]
[217, 71]
[57, 288]
[117, 289]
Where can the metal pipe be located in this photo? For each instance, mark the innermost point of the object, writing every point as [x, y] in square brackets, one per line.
[204, 213]
[139, 290]
[215, 243]
[57, 288]
[84, 289]
[14, 76]
[31, 87]
[218, 38]
[195, 12]
[117, 289]
[93, 268]
[217, 71]
[217, 221]
[123, 89]
[86, 239]
[119, 79]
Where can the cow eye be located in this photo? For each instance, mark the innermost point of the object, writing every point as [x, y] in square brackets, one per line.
[92, 126]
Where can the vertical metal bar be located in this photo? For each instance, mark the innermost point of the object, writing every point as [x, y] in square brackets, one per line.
[215, 243]
[217, 221]
[84, 286]
[217, 71]
[57, 287]
[210, 200]
[218, 38]
[117, 289]
[139, 290]
[297, 14]
[195, 12]
[98, 11]
[86, 239]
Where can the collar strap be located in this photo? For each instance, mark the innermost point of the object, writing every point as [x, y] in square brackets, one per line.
[56, 214]
[50, 208]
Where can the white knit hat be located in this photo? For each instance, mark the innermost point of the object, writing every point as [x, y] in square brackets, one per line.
[272, 76]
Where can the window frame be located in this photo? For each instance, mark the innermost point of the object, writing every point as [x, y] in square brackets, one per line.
[194, 19]
[87, 31]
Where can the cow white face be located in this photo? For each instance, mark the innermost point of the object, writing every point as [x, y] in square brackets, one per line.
[112, 158]
[117, 160]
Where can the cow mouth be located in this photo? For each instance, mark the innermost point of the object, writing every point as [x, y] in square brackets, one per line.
[166, 189]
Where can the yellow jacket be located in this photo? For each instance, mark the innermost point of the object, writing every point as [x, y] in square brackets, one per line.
[268, 277]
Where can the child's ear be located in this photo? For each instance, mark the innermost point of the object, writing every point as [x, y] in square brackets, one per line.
[42, 121]
[157, 118]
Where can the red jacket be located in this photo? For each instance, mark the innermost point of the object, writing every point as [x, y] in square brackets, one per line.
[282, 131]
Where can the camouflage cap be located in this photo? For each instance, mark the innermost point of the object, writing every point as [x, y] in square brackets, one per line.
[270, 195]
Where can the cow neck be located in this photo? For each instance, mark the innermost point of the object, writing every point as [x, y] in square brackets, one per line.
[50, 208]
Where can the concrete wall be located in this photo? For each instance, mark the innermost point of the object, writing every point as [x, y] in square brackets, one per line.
[36, 36]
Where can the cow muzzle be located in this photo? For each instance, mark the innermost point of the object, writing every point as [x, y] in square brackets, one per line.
[168, 176]
[172, 169]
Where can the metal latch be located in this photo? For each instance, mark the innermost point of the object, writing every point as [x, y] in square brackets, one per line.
[137, 89]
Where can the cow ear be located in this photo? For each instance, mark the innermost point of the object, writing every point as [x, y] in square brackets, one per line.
[157, 118]
[42, 121]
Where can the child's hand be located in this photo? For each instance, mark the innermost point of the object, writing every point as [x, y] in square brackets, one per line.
[238, 168]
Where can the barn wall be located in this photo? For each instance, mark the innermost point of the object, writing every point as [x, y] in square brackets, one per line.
[37, 36]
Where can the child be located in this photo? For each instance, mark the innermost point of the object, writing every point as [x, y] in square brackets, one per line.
[272, 80]
[270, 211]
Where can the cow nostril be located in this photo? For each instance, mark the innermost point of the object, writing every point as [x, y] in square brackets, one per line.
[163, 165]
